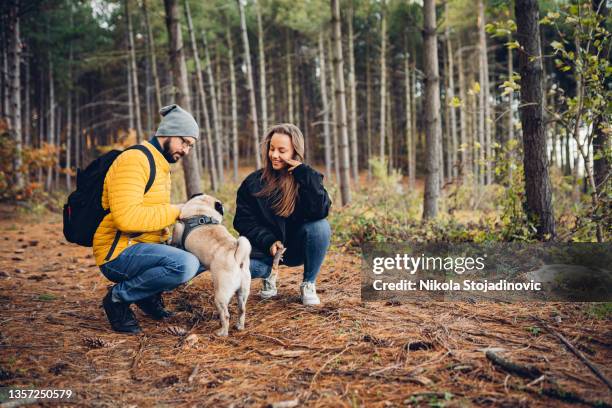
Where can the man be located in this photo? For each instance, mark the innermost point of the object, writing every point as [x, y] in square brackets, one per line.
[127, 244]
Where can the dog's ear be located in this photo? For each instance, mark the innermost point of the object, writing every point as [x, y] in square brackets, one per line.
[195, 195]
[219, 207]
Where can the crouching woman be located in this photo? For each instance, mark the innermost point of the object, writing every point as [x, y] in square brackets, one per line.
[284, 205]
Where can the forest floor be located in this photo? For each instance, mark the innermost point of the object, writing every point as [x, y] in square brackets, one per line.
[54, 335]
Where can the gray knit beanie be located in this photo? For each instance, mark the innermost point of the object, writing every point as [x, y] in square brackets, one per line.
[177, 122]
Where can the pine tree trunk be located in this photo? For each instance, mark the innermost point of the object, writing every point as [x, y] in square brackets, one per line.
[345, 192]
[601, 138]
[5, 71]
[250, 86]
[383, 82]
[335, 119]
[78, 146]
[454, 160]
[409, 136]
[325, 107]
[15, 93]
[152, 56]
[130, 95]
[134, 73]
[191, 167]
[537, 184]
[413, 113]
[446, 161]
[262, 68]
[215, 112]
[390, 133]
[51, 121]
[210, 153]
[58, 145]
[232, 69]
[289, 66]
[353, 99]
[27, 119]
[463, 116]
[432, 111]
[148, 94]
[369, 110]
[69, 114]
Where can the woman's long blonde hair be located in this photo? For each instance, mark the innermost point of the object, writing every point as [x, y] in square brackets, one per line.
[279, 185]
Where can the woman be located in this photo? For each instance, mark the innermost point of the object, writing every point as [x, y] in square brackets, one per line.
[284, 205]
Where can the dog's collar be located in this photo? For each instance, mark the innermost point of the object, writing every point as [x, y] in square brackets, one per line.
[192, 223]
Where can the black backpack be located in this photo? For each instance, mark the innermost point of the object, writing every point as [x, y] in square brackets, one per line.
[83, 212]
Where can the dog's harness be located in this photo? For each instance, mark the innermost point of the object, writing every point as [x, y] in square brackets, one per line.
[193, 223]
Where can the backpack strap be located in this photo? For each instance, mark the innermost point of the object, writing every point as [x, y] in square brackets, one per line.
[152, 174]
[152, 169]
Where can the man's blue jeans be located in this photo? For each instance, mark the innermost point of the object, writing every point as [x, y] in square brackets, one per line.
[307, 246]
[142, 270]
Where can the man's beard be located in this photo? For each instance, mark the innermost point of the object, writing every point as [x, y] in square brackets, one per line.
[166, 151]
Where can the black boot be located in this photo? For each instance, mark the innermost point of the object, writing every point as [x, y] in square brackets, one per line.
[120, 315]
[153, 306]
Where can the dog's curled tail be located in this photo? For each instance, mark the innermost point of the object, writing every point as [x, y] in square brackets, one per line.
[243, 252]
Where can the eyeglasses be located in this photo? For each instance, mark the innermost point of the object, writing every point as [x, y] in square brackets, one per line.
[186, 144]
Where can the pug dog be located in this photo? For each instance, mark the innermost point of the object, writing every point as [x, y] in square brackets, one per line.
[226, 257]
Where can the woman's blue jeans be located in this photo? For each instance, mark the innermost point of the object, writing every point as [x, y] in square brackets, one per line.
[307, 246]
[143, 270]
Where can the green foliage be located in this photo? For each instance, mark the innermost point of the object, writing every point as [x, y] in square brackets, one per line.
[600, 311]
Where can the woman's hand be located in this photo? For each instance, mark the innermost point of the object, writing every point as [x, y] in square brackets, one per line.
[291, 163]
[275, 247]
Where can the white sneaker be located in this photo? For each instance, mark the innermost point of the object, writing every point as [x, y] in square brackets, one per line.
[309, 294]
[268, 287]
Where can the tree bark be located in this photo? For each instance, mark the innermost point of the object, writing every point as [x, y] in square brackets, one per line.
[463, 115]
[432, 111]
[601, 139]
[250, 86]
[152, 56]
[130, 95]
[353, 99]
[289, 67]
[191, 166]
[408, 113]
[134, 73]
[345, 192]
[262, 68]
[334, 109]
[215, 111]
[325, 108]
[27, 120]
[51, 121]
[69, 112]
[369, 110]
[235, 152]
[537, 184]
[210, 154]
[383, 81]
[15, 93]
[454, 162]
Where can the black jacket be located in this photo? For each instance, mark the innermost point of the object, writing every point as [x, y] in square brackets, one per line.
[256, 220]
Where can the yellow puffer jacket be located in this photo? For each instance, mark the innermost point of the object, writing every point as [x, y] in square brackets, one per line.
[132, 211]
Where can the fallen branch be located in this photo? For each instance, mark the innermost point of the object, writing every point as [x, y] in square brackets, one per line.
[527, 371]
[576, 352]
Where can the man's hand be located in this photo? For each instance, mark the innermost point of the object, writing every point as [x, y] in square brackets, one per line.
[275, 247]
[291, 163]
[179, 207]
